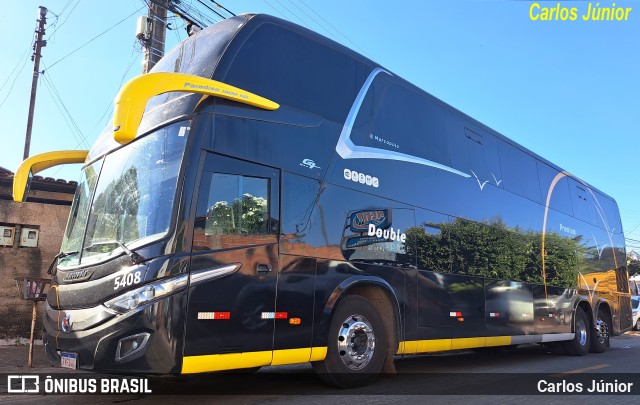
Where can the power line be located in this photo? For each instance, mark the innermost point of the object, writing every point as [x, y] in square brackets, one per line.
[277, 11]
[94, 38]
[14, 69]
[337, 30]
[124, 75]
[223, 7]
[212, 10]
[294, 14]
[55, 24]
[56, 95]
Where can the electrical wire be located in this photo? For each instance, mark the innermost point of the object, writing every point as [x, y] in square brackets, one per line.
[277, 11]
[94, 38]
[57, 100]
[71, 123]
[135, 53]
[223, 7]
[212, 10]
[337, 30]
[291, 12]
[15, 78]
[57, 27]
[20, 59]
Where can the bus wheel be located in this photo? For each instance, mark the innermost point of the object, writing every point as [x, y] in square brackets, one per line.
[581, 342]
[600, 337]
[356, 348]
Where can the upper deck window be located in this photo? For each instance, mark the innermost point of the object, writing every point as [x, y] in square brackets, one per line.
[294, 70]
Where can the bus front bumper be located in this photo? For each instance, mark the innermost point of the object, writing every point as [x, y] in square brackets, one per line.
[146, 340]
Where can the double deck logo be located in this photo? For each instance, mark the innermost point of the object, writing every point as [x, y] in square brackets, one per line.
[23, 384]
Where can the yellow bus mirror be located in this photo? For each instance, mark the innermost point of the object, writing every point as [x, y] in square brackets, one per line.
[132, 99]
[38, 163]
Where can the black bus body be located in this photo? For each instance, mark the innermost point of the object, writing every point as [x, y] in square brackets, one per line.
[361, 220]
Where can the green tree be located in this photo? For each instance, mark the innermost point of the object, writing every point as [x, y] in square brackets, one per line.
[245, 215]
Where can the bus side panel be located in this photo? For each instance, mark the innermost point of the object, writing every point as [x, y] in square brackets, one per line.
[295, 295]
[553, 309]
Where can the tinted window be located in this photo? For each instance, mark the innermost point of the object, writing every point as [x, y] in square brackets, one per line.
[582, 201]
[555, 189]
[378, 236]
[234, 212]
[429, 239]
[608, 212]
[493, 250]
[408, 122]
[474, 151]
[295, 70]
[519, 172]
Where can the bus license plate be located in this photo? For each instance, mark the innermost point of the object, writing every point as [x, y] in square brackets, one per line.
[69, 360]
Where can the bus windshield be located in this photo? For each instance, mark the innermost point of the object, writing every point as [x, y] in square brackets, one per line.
[125, 197]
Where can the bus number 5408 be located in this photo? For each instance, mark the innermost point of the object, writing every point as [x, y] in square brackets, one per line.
[125, 281]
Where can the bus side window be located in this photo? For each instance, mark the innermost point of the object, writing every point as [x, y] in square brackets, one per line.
[582, 202]
[233, 211]
[519, 172]
[555, 189]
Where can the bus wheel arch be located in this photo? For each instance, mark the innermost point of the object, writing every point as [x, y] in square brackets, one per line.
[581, 327]
[369, 311]
[601, 331]
[386, 303]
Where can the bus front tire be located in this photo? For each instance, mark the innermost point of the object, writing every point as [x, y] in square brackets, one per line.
[581, 342]
[356, 347]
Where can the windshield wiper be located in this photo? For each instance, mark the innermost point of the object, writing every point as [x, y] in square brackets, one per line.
[135, 258]
[56, 257]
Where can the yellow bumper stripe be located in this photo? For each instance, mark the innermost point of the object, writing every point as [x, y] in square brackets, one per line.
[234, 361]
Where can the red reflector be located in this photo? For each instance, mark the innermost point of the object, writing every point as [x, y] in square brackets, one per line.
[459, 314]
[281, 315]
[222, 315]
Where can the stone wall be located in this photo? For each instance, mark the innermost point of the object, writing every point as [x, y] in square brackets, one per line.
[15, 313]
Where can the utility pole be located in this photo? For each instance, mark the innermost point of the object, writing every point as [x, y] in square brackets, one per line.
[37, 47]
[154, 43]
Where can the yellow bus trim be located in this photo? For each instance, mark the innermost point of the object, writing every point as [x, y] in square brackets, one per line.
[443, 345]
[40, 162]
[234, 361]
[132, 99]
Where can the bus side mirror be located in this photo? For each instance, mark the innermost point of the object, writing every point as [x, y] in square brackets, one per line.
[37, 163]
[132, 99]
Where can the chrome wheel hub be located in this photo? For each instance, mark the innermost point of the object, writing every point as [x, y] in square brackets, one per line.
[603, 331]
[356, 342]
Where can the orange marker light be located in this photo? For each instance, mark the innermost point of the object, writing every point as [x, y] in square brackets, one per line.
[295, 321]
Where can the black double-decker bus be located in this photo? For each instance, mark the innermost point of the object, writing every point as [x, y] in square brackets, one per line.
[286, 200]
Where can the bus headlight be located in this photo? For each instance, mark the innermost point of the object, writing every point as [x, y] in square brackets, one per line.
[146, 294]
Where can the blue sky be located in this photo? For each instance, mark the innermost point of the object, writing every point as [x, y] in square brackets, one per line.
[568, 90]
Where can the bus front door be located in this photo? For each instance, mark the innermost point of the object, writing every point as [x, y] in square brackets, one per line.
[234, 267]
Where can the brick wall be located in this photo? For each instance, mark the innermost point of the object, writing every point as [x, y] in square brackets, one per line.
[15, 313]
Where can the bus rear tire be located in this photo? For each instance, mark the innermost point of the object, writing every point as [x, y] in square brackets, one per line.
[601, 333]
[581, 342]
[356, 347]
